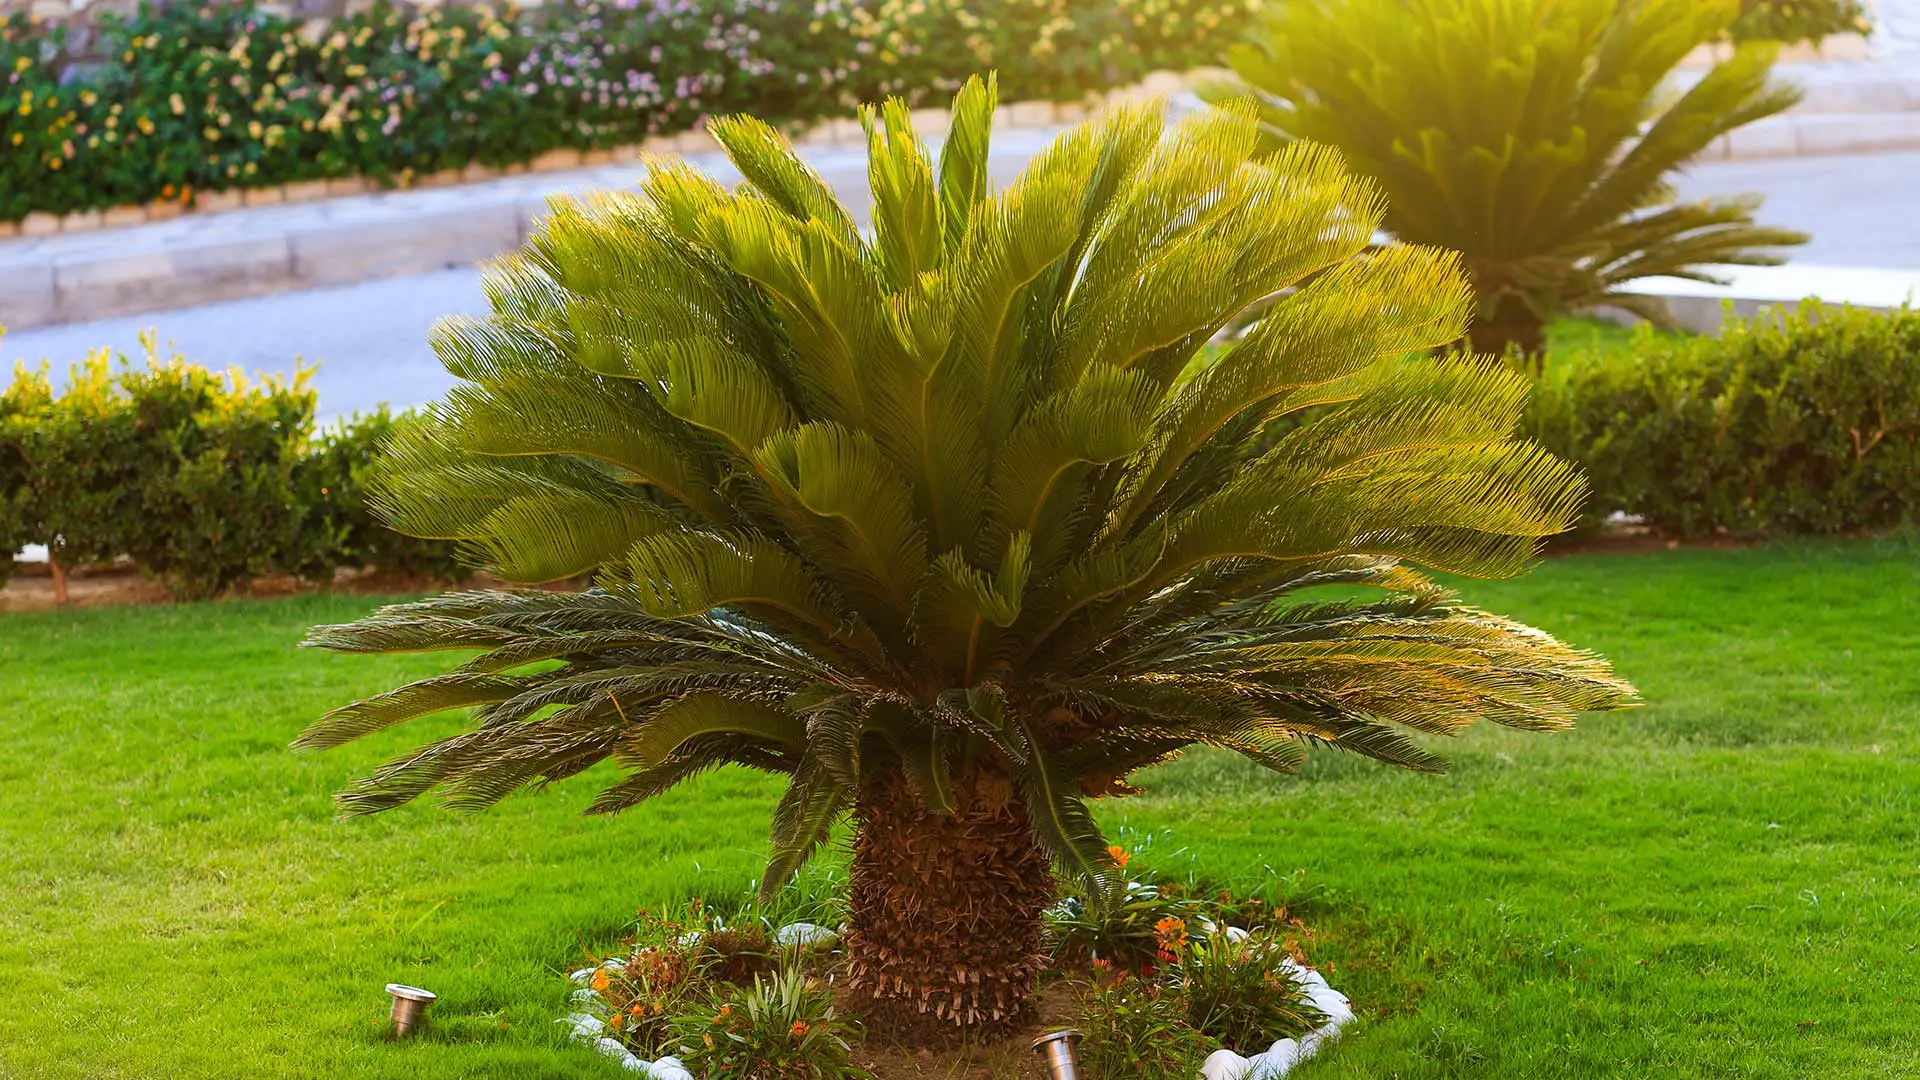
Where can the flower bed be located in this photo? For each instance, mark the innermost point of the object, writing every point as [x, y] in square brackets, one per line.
[1156, 973]
[195, 100]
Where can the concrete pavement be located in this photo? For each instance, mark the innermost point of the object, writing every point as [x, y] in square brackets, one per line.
[370, 339]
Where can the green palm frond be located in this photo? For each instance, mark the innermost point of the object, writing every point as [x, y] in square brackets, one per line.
[1533, 136]
[969, 489]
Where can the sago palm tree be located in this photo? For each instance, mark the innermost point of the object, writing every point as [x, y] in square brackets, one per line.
[1533, 136]
[957, 523]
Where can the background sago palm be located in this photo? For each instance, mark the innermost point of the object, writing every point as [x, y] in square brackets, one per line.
[1533, 136]
[956, 523]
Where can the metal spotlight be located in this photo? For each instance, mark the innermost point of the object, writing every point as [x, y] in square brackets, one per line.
[409, 1007]
[1057, 1048]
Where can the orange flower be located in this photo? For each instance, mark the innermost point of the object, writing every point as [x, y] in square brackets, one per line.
[1170, 934]
[619, 1020]
[1101, 963]
[1120, 856]
[600, 979]
[799, 1027]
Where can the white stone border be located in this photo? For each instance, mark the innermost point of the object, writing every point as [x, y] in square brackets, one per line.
[590, 1028]
[1280, 1058]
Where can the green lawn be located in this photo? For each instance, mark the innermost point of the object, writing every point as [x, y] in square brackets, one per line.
[1725, 883]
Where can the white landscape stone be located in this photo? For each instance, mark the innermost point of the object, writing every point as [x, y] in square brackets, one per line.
[614, 1049]
[1225, 1065]
[585, 1026]
[669, 1068]
[802, 933]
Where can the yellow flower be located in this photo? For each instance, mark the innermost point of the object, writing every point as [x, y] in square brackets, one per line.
[176, 105]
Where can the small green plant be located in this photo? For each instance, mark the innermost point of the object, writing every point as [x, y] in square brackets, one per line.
[1535, 137]
[1136, 1029]
[1236, 990]
[781, 1028]
[1111, 925]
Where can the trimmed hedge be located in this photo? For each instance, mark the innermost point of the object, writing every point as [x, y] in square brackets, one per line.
[1806, 422]
[1801, 422]
[206, 98]
[204, 480]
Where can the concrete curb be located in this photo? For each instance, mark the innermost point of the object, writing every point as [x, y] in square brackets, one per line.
[1751, 290]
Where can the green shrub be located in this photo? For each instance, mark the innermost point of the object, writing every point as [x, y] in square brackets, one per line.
[1800, 20]
[1804, 422]
[193, 98]
[1535, 137]
[216, 499]
[83, 464]
[202, 479]
[331, 482]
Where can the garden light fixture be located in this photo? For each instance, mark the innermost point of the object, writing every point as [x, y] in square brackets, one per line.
[1057, 1049]
[409, 1007]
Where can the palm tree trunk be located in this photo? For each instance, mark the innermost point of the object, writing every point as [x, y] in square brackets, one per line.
[944, 934]
[1511, 324]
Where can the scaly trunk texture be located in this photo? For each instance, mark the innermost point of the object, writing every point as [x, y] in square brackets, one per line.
[1511, 322]
[944, 936]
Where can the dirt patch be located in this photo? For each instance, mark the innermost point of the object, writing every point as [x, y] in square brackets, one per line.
[1010, 1058]
[100, 586]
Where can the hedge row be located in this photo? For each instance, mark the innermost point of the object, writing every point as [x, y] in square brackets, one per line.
[1806, 422]
[203, 479]
[208, 98]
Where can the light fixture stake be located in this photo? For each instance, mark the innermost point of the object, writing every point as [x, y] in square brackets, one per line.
[1057, 1049]
[409, 1007]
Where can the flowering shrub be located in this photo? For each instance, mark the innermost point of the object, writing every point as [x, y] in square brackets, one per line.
[1800, 20]
[195, 99]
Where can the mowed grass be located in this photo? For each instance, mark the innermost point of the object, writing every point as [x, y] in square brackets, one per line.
[1725, 883]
